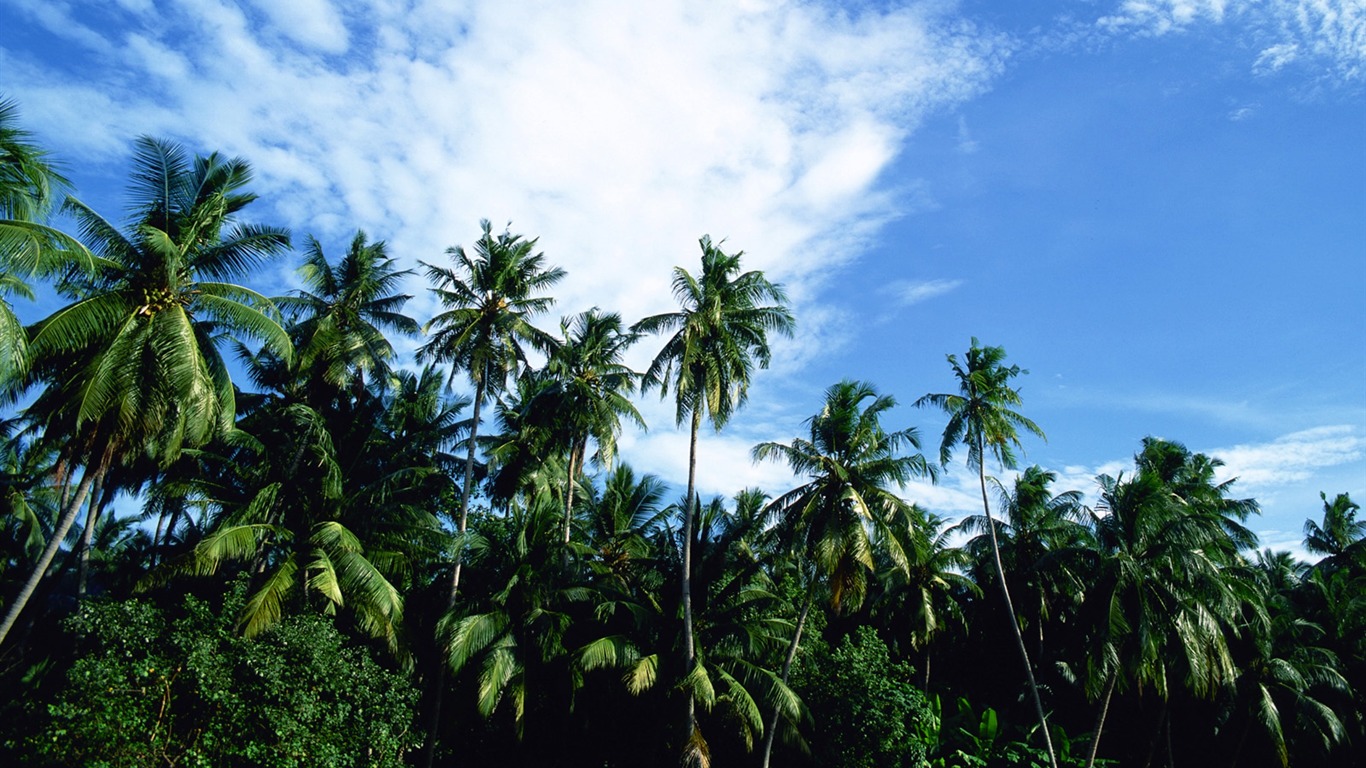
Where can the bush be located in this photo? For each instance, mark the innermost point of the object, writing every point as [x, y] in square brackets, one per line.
[190, 692]
[865, 708]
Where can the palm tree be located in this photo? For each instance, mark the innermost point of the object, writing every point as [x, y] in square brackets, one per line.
[590, 391]
[719, 333]
[1280, 684]
[923, 596]
[980, 418]
[1037, 533]
[1341, 536]
[341, 314]
[489, 298]
[832, 522]
[29, 189]
[133, 363]
[1161, 605]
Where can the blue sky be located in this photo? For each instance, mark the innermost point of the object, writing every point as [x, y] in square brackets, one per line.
[1157, 207]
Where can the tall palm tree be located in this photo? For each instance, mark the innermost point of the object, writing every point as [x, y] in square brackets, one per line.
[833, 521]
[133, 363]
[719, 334]
[343, 310]
[488, 297]
[981, 419]
[590, 389]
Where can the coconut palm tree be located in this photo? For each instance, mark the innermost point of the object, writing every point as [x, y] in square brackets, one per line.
[590, 391]
[133, 364]
[834, 521]
[341, 314]
[1036, 534]
[921, 599]
[981, 419]
[1341, 537]
[1162, 605]
[30, 187]
[488, 298]
[719, 334]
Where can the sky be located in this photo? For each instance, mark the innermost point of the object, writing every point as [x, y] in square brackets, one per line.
[1157, 207]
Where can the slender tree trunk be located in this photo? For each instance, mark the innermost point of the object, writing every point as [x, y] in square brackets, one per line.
[88, 535]
[689, 649]
[925, 681]
[569, 492]
[787, 668]
[1010, 606]
[1100, 721]
[439, 692]
[54, 544]
[156, 537]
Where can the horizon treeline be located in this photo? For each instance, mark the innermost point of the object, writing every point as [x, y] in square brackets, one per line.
[323, 556]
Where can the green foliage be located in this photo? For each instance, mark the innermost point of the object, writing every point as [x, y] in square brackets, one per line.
[968, 738]
[868, 711]
[150, 690]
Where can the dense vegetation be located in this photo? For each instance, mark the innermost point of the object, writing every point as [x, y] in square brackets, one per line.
[317, 555]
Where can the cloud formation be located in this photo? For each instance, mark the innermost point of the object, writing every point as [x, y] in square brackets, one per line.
[1291, 458]
[1327, 33]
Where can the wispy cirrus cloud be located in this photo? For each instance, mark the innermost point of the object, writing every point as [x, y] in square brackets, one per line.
[910, 292]
[1327, 34]
[1291, 458]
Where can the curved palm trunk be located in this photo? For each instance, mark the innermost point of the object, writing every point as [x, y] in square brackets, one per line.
[68, 518]
[429, 751]
[787, 668]
[689, 649]
[1010, 607]
[1100, 722]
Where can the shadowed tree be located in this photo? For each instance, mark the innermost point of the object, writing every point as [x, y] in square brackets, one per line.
[719, 335]
[982, 420]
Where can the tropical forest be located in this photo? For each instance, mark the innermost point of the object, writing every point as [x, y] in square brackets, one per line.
[314, 529]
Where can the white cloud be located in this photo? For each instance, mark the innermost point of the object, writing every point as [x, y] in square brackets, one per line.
[1292, 458]
[312, 23]
[909, 292]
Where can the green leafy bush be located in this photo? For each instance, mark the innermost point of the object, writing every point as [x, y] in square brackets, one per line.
[152, 691]
[865, 708]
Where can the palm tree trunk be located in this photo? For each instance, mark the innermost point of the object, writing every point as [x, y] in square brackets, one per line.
[88, 535]
[569, 492]
[787, 668]
[54, 544]
[1100, 721]
[1010, 606]
[689, 511]
[429, 750]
